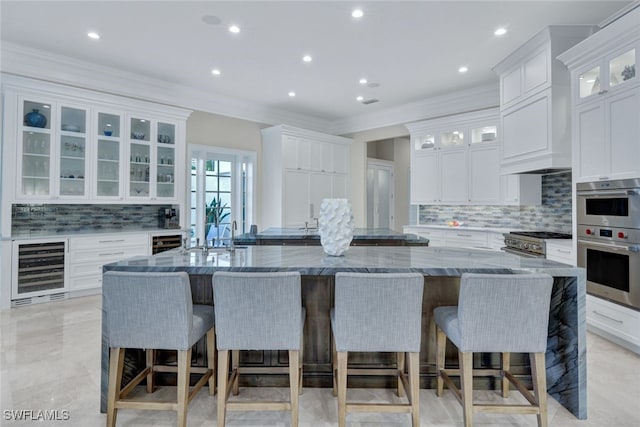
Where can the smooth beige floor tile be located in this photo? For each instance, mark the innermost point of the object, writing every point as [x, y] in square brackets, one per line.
[50, 359]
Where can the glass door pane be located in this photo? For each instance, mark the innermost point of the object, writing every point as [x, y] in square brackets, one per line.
[622, 68]
[140, 129]
[590, 82]
[108, 173]
[426, 142]
[484, 134]
[452, 139]
[166, 174]
[108, 125]
[36, 163]
[72, 166]
[166, 133]
[37, 114]
[73, 120]
[139, 170]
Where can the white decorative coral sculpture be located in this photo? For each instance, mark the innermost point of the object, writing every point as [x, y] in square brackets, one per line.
[335, 226]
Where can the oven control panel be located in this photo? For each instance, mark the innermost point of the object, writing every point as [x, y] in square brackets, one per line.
[612, 234]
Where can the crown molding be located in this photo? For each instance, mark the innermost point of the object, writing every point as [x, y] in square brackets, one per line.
[477, 98]
[41, 65]
[47, 66]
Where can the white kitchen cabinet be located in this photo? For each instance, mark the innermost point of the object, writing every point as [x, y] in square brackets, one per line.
[87, 255]
[560, 250]
[614, 322]
[606, 102]
[534, 93]
[435, 236]
[495, 240]
[301, 168]
[72, 148]
[461, 238]
[456, 161]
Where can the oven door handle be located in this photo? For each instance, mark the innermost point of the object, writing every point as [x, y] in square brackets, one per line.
[628, 248]
[608, 193]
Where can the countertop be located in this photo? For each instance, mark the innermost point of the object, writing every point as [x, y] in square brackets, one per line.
[90, 232]
[311, 260]
[462, 227]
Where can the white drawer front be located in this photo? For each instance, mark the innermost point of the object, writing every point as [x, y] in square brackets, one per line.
[466, 238]
[108, 241]
[106, 255]
[613, 318]
[560, 254]
[85, 282]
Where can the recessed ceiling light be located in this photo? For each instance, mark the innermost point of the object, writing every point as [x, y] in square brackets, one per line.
[292, 94]
[93, 35]
[234, 29]
[359, 98]
[215, 72]
[500, 31]
[357, 13]
[363, 81]
[307, 58]
[463, 69]
[211, 20]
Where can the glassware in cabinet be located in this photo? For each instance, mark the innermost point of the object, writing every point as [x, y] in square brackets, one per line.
[140, 129]
[108, 125]
[36, 163]
[165, 179]
[139, 172]
[72, 165]
[108, 171]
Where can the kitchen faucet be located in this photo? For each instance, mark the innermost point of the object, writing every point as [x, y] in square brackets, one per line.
[234, 227]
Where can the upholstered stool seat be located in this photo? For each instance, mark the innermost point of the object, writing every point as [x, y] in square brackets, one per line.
[155, 311]
[258, 311]
[501, 313]
[378, 313]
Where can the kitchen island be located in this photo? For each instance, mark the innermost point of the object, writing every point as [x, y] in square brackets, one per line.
[441, 267]
[310, 237]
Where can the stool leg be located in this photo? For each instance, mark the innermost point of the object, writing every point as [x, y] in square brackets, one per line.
[506, 366]
[294, 381]
[223, 377]
[211, 359]
[414, 384]
[466, 378]
[300, 363]
[539, 374]
[150, 356]
[116, 362]
[342, 388]
[334, 366]
[441, 342]
[235, 363]
[400, 359]
[184, 365]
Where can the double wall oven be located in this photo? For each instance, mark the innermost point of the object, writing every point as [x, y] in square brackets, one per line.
[608, 228]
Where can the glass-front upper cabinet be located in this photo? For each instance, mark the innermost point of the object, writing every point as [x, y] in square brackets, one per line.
[484, 134]
[452, 139]
[108, 156]
[73, 152]
[35, 165]
[165, 160]
[139, 157]
[424, 142]
[612, 72]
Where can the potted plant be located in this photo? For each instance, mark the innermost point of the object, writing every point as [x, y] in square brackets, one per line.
[215, 214]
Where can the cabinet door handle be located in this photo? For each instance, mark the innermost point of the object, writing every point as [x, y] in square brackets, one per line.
[603, 178]
[602, 92]
[607, 317]
[464, 235]
[111, 241]
[564, 251]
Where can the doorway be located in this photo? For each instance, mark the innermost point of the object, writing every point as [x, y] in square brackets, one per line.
[380, 194]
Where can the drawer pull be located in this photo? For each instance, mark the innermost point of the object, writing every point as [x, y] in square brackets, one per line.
[111, 253]
[564, 251]
[607, 317]
[464, 235]
[111, 241]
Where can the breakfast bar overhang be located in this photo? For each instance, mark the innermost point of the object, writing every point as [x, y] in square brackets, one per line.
[441, 267]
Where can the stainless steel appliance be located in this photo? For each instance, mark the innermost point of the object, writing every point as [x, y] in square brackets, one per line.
[609, 239]
[165, 243]
[609, 203]
[530, 243]
[169, 218]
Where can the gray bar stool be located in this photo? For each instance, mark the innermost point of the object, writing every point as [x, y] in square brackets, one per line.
[505, 313]
[378, 313]
[258, 311]
[155, 311]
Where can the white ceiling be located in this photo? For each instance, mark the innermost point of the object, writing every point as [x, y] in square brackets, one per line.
[413, 49]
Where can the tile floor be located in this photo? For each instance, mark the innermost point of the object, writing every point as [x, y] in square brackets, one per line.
[50, 358]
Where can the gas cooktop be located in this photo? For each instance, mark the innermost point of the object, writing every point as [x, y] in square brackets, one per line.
[542, 234]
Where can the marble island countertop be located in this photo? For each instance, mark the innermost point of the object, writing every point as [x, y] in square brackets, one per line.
[277, 234]
[311, 260]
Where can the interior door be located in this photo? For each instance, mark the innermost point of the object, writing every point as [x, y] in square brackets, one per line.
[379, 194]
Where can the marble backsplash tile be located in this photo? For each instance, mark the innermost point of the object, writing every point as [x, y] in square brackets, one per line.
[52, 218]
[554, 214]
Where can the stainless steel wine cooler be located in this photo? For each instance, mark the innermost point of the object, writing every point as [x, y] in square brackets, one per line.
[39, 268]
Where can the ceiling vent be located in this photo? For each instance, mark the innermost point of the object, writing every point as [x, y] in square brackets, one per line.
[370, 101]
